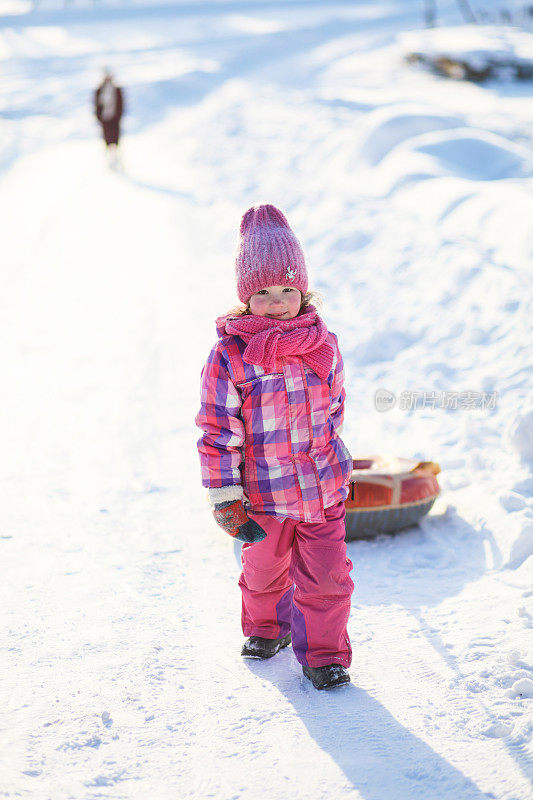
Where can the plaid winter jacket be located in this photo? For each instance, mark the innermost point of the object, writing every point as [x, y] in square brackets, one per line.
[274, 433]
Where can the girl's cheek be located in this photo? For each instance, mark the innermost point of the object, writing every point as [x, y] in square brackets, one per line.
[258, 306]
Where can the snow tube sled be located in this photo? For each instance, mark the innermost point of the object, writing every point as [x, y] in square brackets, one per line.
[387, 494]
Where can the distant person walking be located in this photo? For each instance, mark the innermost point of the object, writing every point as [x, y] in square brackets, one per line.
[108, 107]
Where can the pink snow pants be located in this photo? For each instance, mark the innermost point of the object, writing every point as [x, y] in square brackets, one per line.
[298, 580]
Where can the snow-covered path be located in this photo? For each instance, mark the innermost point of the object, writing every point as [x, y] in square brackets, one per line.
[121, 675]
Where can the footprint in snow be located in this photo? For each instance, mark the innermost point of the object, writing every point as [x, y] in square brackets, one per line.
[498, 730]
[106, 719]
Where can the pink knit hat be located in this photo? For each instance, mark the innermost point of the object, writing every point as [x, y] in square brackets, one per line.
[268, 254]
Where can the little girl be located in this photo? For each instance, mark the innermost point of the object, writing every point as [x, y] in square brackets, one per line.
[272, 405]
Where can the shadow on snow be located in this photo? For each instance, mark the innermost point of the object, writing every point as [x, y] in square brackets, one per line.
[376, 753]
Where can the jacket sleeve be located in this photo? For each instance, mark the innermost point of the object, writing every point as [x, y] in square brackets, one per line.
[220, 446]
[120, 103]
[338, 394]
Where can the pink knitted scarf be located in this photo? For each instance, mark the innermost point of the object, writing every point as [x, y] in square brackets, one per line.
[269, 339]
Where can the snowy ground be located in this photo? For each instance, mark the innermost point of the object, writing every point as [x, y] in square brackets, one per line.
[121, 674]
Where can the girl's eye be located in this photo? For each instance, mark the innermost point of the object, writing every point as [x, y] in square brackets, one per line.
[288, 289]
[262, 291]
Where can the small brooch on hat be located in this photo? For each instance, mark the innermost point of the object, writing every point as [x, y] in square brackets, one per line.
[290, 274]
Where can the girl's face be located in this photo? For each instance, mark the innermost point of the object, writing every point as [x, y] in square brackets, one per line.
[276, 302]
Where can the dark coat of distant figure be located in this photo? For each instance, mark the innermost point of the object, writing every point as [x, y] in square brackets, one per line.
[108, 106]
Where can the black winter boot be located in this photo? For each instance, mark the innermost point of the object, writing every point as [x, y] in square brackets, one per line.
[257, 647]
[327, 677]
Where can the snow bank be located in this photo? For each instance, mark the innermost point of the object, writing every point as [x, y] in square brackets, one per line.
[521, 432]
[481, 48]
